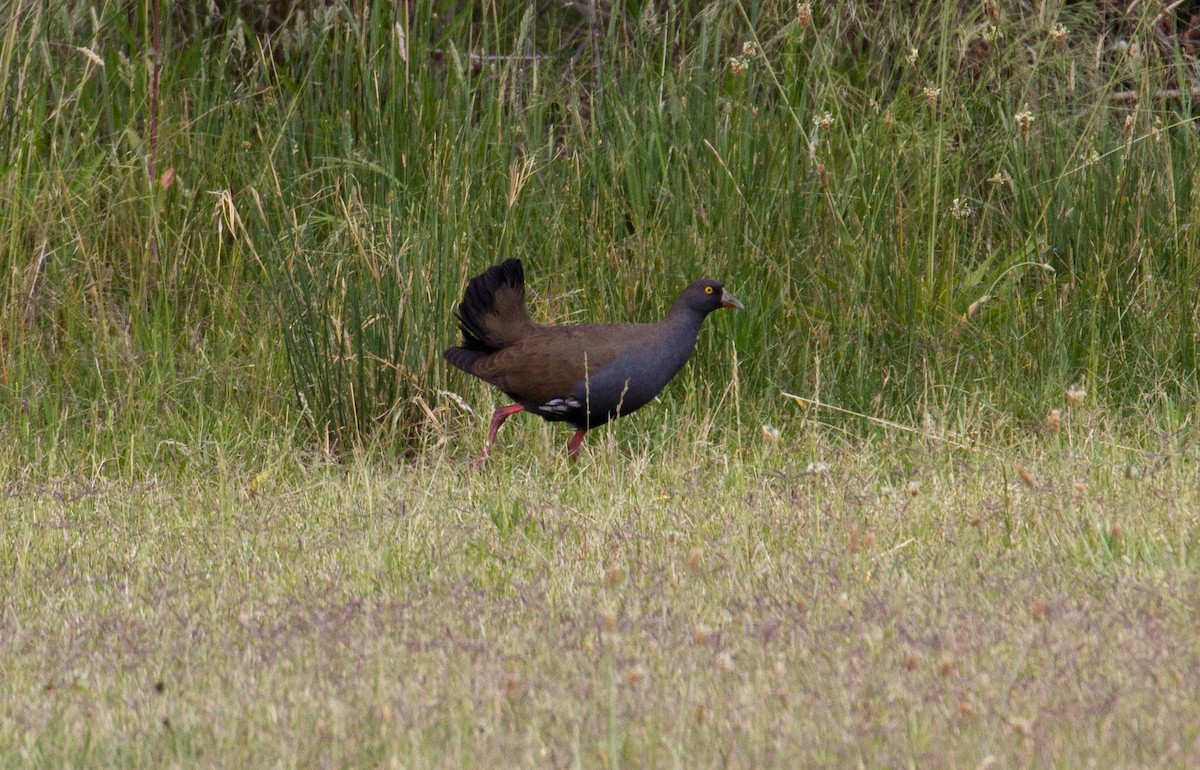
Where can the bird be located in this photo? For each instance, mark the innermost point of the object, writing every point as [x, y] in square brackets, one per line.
[585, 374]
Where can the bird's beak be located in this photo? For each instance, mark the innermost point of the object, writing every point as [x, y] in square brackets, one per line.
[728, 300]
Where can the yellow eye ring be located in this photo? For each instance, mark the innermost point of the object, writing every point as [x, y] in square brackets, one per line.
[708, 290]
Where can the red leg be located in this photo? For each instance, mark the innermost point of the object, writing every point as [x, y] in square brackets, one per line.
[573, 444]
[498, 418]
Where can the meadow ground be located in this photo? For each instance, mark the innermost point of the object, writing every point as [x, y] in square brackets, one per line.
[664, 602]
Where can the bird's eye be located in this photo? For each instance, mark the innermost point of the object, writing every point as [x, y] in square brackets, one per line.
[708, 290]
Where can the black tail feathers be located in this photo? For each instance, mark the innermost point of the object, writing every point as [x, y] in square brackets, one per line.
[479, 302]
[492, 314]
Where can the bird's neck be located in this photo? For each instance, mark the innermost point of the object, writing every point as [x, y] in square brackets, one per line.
[684, 322]
[682, 315]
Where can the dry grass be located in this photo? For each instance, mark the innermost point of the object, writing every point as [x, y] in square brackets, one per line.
[903, 605]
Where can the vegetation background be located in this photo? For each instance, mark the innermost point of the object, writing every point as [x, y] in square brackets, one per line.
[932, 207]
[232, 236]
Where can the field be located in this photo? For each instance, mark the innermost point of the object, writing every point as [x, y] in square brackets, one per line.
[237, 524]
[703, 605]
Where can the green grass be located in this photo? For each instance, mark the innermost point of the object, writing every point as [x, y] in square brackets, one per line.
[868, 184]
[237, 529]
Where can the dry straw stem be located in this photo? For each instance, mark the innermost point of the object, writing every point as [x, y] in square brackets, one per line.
[1164, 93]
[808, 402]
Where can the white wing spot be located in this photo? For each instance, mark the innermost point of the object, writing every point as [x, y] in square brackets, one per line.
[561, 405]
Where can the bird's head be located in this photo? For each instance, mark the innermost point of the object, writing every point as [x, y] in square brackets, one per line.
[707, 295]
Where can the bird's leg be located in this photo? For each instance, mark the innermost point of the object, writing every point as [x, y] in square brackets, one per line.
[498, 418]
[573, 444]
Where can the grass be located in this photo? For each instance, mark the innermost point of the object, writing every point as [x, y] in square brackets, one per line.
[807, 602]
[918, 215]
[237, 526]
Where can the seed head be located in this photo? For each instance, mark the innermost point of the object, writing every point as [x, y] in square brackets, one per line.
[1025, 120]
[824, 121]
[931, 94]
[804, 15]
[912, 56]
[1054, 421]
[613, 575]
[1058, 33]
[749, 49]
[973, 308]
[960, 209]
[1076, 394]
[738, 65]
[1026, 477]
[695, 558]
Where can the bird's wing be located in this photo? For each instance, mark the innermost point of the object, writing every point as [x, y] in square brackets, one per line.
[548, 363]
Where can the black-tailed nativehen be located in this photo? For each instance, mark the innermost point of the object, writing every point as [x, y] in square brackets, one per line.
[585, 375]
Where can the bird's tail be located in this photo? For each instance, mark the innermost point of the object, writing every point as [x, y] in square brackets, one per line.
[492, 314]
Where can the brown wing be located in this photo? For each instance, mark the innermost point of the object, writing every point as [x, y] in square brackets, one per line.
[547, 363]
